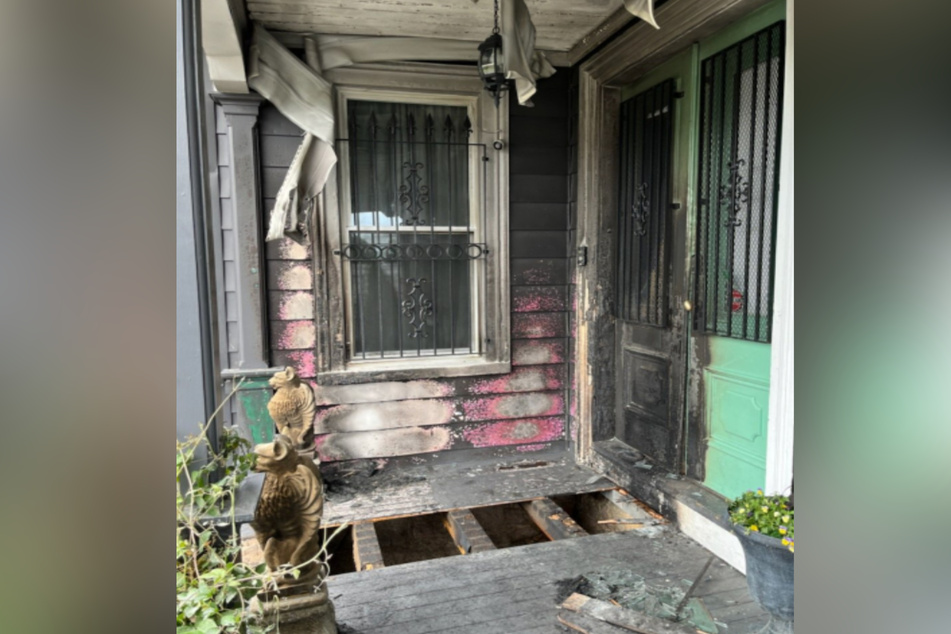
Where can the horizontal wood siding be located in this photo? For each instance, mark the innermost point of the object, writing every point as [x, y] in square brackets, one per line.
[525, 409]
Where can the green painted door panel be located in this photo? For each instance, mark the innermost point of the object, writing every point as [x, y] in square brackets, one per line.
[728, 378]
[736, 397]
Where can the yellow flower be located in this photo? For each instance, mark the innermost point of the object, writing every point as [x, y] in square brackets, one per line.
[754, 527]
[785, 518]
[782, 531]
[785, 541]
[792, 548]
[776, 514]
[765, 509]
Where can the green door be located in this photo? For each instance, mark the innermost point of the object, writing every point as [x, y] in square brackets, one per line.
[736, 156]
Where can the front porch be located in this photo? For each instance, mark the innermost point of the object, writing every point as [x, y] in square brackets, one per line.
[518, 588]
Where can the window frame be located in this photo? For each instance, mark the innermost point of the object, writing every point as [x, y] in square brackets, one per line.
[416, 83]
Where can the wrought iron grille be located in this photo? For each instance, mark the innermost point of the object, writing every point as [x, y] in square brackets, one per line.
[644, 204]
[410, 240]
[740, 116]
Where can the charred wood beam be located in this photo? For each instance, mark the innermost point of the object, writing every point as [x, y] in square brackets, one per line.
[366, 547]
[552, 519]
[466, 531]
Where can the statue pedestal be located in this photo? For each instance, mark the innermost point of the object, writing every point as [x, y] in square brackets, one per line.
[309, 613]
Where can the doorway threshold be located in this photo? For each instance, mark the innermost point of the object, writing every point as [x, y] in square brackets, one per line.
[697, 511]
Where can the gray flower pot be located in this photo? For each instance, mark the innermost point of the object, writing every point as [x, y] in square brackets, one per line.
[769, 575]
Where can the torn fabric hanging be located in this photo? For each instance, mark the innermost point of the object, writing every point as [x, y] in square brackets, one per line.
[523, 63]
[304, 97]
[300, 93]
[644, 9]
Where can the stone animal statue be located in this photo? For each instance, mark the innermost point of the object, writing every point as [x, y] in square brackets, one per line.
[292, 407]
[288, 513]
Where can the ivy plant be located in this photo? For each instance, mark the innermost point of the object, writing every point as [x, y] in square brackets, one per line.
[213, 586]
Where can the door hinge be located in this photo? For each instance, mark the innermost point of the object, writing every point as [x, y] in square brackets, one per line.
[582, 256]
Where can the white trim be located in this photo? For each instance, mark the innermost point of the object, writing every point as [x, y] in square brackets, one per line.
[710, 535]
[488, 222]
[222, 46]
[779, 439]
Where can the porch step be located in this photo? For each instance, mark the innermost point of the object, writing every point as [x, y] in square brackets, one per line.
[698, 512]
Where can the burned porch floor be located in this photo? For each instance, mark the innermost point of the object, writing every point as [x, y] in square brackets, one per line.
[480, 547]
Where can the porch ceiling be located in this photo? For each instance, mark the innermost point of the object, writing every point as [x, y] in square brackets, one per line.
[560, 24]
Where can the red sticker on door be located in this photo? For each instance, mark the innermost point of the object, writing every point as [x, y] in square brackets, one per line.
[737, 301]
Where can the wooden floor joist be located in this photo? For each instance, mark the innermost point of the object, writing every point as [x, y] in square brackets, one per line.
[366, 547]
[630, 505]
[552, 519]
[466, 531]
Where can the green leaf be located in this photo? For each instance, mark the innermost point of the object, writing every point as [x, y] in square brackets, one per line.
[208, 626]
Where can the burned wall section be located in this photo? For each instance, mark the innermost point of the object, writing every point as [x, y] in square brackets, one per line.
[518, 413]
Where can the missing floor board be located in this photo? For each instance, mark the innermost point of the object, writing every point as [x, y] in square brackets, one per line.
[340, 550]
[416, 538]
[465, 532]
[597, 513]
[508, 525]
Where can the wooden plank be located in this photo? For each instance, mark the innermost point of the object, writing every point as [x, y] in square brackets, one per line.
[366, 547]
[466, 531]
[588, 625]
[620, 619]
[539, 271]
[553, 520]
[631, 506]
[615, 22]
[535, 299]
[539, 325]
[421, 413]
[450, 486]
[538, 351]
[509, 590]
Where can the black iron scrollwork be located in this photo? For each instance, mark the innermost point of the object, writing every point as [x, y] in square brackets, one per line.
[435, 251]
[642, 208]
[413, 195]
[735, 194]
[417, 307]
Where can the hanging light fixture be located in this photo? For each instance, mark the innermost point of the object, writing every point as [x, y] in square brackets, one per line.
[490, 62]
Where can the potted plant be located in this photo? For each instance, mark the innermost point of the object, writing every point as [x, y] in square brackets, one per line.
[764, 525]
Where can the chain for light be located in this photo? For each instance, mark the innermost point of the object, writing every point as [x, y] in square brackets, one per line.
[495, 29]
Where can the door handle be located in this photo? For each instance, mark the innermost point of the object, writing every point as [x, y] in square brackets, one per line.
[687, 305]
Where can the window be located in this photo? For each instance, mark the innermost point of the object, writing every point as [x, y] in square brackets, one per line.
[740, 116]
[420, 243]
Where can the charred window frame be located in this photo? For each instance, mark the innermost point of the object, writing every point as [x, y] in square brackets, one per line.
[389, 329]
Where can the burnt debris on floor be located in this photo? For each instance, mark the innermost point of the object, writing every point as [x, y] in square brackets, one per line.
[631, 591]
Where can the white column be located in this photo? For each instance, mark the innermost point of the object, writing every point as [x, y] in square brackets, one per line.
[779, 441]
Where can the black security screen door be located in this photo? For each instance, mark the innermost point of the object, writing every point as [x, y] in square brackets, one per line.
[644, 202]
[649, 365]
[740, 116]
[410, 239]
